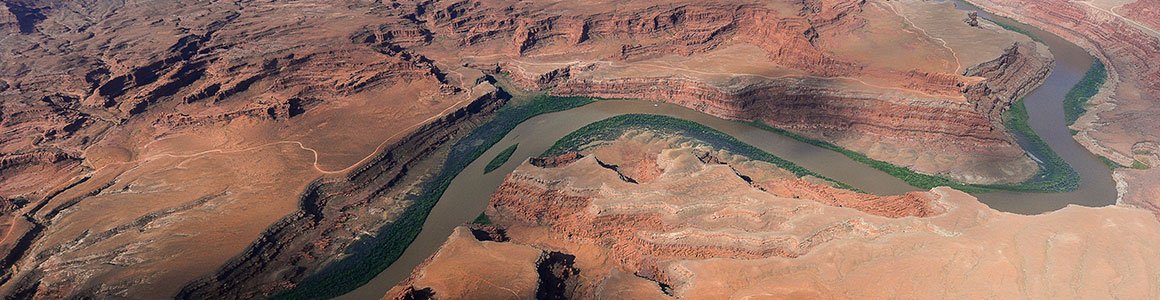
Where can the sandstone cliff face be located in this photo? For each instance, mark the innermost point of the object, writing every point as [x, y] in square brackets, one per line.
[201, 150]
[327, 220]
[197, 128]
[1117, 124]
[1008, 79]
[699, 230]
[650, 30]
[972, 131]
[848, 102]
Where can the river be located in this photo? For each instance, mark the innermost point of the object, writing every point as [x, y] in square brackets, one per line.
[469, 192]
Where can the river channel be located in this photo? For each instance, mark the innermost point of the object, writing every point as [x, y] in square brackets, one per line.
[469, 192]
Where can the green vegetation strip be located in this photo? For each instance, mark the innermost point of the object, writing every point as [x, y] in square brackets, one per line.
[368, 257]
[1075, 103]
[482, 219]
[500, 159]
[911, 177]
[1005, 25]
[1055, 175]
[613, 127]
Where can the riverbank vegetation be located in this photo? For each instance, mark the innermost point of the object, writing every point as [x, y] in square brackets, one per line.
[500, 159]
[1055, 174]
[1075, 103]
[482, 219]
[1009, 27]
[613, 127]
[367, 257]
[911, 177]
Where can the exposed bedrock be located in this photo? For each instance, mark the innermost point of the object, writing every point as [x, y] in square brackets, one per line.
[863, 120]
[910, 114]
[107, 109]
[1121, 117]
[648, 30]
[1009, 77]
[700, 231]
[130, 118]
[334, 212]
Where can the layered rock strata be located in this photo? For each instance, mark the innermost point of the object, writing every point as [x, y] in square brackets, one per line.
[144, 151]
[699, 229]
[200, 150]
[794, 80]
[1119, 123]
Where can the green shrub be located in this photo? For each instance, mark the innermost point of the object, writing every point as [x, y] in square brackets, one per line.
[1054, 176]
[500, 159]
[613, 127]
[367, 257]
[1075, 103]
[482, 219]
[1110, 163]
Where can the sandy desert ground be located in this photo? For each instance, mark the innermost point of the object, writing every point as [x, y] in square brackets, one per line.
[226, 149]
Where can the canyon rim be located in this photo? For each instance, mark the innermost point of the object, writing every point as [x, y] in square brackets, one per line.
[633, 149]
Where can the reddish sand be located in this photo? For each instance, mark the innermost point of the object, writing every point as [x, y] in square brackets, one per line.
[699, 231]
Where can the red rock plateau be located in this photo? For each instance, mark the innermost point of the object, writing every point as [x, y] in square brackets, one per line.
[147, 144]
[882, 78]
[1121, 122]
[229, 149]
[704, 224]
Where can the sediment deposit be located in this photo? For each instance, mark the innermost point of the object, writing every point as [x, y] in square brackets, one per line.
[142, 151]
[714, 225]
[805, 68]
[231, 149]
[1120, 122]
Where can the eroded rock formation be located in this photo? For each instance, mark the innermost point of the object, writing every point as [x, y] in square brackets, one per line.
[1119, 122]
[230, 149]
[144, 150]
[796, 80]
[700, 230]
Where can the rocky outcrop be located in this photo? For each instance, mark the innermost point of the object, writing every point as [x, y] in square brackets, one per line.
[698, 231]
[92, 93]
[955, 114]
[325, 224]
[1114, 122]
[815, 107]
[113, 113]
[646, 31]
[20, 16]
[549, 198]
[1144, 11]
[1009, 78]
[555, 161]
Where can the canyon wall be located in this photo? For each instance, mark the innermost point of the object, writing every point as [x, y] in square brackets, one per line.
[971, 131]
[143, 151]
[328, 218]
[1119, 122]
[796, 83]
[232, 149]
[714, 225]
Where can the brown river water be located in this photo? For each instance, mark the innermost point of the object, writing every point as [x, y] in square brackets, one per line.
[469, 192]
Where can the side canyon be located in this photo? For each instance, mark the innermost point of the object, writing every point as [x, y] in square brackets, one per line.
[255, 149]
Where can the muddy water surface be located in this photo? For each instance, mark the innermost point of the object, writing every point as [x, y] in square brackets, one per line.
[1045, 109]
[469, 192]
